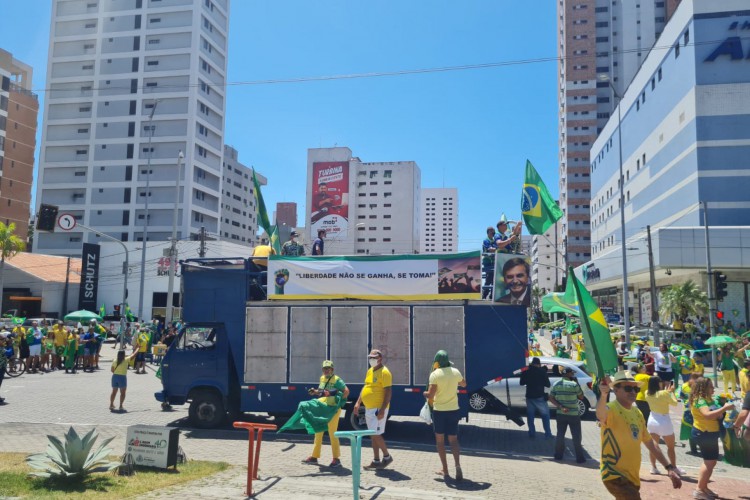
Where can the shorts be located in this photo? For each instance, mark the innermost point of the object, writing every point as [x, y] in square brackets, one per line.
[445, 422]
[622, 489]
[375, 424]
[119, 382]
[666, 376]
[35, 350]
[660, 424]
[708, 443]
[88, 351]
[141, 356]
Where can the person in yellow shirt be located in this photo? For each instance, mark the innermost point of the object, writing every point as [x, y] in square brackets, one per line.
[262, 252]
[706, 432]
[60, 336]
[745, 379]
[141, 347]
[640, 401]
[623, 429]
[443, 397]
[698, 364]
[120, 378]
[659, 424]
[329, 387]
[376, 396]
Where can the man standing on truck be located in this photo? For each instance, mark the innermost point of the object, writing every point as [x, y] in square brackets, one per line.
[292, 247]
[376, 395]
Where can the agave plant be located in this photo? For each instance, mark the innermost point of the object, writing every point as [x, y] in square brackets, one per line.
[72, 459]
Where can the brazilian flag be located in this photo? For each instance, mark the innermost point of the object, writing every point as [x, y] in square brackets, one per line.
[265, 223]
[601, 357]
[565, 302]
[537, 206]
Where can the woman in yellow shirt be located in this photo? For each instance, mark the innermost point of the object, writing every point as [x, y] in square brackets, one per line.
[640, 400]
[659, 424]
[120, 378]
[706, 432]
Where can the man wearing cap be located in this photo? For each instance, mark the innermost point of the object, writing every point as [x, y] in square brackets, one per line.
[623, 429]
[329, 388]
[565, 395]
[292, 247]
[442, 396]
[535, 379]
[376, 395]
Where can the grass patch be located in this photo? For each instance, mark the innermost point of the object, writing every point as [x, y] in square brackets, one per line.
[15, 483]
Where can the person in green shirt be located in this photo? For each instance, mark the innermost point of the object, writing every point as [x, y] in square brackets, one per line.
[726, 362]
[565, 395]
[330, 386]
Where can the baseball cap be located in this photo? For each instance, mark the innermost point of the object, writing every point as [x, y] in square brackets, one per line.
[327, 363]
[294, 233]
[375, 353]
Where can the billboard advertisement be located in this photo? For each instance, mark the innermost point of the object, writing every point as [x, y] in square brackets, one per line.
[330, 199]
[89, 277]
[512, 279]
[376, 277]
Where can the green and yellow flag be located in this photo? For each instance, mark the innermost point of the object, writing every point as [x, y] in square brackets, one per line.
[538, 207]
[565, 302]
[601, 357]
[263, 221]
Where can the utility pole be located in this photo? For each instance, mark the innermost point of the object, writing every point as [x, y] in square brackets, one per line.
[65, 290]
[202, 250]
[652, 279]
[712, 305]
[173, 247]
[145, 216]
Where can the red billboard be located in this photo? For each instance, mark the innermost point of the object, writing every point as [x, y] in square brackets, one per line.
[330, 199]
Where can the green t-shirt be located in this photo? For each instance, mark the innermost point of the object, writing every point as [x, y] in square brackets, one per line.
[566, 393]
[726, 362]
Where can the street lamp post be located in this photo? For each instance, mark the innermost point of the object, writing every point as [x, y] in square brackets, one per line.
[173, 246]
[145, 217]
[625, 293]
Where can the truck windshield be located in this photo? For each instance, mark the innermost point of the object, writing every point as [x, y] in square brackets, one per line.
[196, 337]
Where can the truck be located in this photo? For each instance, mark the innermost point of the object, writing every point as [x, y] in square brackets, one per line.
[237, 352]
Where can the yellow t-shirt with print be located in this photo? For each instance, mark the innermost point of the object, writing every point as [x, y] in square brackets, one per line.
[61, 336]
[622, 435]
[643, 379]
[700, 422]
[698, 368]
[376, 381]
[143, 342]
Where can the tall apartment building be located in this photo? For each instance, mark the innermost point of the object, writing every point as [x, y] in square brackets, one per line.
[365, 208]
[286, 214]
[19, 108]
[596, 37]
[546, 259]
[439, 216]
[239, 212]
[132, 83]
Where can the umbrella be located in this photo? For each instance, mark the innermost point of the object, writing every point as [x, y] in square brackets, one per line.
[720, 340]
[82, 316]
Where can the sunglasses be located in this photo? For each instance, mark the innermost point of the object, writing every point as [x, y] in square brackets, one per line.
[629, 388]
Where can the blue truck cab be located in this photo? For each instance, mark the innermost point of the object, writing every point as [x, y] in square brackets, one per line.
[235, 354]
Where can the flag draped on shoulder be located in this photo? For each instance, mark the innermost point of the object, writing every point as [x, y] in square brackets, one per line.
[601, 357]
[265, 223]
[537, 206]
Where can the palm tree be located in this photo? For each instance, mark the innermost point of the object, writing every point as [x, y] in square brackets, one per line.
[10, 244]
[682, 301]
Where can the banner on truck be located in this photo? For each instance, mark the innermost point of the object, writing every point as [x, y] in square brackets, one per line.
[512, 279]
[386, 277]
[330, 199]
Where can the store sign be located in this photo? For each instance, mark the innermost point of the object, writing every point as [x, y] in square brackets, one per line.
[152, 446]
[732, 46]
[591, 273]
[89, 277]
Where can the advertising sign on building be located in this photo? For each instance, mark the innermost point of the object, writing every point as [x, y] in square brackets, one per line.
[89, 277]
[376, 277]
[330, 199]
[153, 446]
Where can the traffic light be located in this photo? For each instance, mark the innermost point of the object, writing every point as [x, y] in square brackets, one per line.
[47, 218]
[720, 285]
[719, 318]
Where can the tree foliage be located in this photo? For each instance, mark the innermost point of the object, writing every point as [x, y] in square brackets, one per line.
[681, 301]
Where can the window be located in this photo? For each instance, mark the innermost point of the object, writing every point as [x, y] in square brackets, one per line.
[677, 50]
[87, 66]
[154, 41]
[154, 20]
[686, 37]
[659, 74]
[152, 63]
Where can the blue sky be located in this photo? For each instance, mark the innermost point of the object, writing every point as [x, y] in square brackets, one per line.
[471, 129]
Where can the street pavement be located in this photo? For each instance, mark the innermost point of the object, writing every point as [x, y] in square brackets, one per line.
[498, 459]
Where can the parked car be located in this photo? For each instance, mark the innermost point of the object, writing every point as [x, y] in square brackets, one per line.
[511, 388]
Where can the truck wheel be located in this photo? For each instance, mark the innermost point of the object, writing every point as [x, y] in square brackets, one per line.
[206, 410]
[478, 402]
[357, 421]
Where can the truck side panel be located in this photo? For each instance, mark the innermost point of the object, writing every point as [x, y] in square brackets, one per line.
[266, 346]
[308, 343]
[391, 327]
[437, 328]
[348, 345]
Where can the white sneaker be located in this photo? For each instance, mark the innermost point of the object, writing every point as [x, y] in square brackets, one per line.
[702, 495]
[654, 470]
[681, 471]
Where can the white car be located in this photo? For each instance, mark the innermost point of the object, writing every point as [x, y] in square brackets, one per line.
[511, 388]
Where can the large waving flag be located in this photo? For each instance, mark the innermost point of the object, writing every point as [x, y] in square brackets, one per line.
[601, 357]
[265, 223]
[538, 207]
[565, 302]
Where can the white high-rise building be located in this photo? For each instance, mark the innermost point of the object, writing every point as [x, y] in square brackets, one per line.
[439, 215]
[547, 260]
[365, 208]
[132, 83]
[239, 212]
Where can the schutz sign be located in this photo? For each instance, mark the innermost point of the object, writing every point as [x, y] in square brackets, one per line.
[89, 277]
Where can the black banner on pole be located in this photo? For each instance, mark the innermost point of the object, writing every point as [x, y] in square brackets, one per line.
[89, 277]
